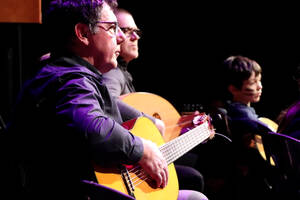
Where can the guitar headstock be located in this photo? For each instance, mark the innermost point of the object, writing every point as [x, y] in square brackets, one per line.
[202, 118]
[195, 119]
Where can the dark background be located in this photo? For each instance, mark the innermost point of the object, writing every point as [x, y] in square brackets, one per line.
[182, 46]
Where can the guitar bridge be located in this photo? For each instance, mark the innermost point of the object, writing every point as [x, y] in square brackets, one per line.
[127, 181]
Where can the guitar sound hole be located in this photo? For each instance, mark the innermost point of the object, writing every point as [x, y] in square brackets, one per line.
[151, 183]
[156, 115]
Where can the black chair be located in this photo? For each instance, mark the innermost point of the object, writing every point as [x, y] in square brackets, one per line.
[8, 171]
[285, 152]
[96, 191]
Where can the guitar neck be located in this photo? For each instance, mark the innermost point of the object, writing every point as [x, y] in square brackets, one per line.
[184, 143]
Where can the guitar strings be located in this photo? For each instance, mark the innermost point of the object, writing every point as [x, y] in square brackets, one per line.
[177, 147]
[143, 179]
[141, 176]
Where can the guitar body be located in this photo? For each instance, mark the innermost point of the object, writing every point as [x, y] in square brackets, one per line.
[158, 107]
[270, 123]
[258, 139]
[142, 127]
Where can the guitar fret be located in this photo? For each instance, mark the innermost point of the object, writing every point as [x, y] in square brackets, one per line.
[182, 144]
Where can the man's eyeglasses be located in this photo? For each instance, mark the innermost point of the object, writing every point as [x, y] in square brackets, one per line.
[129, 31]
[113, 26]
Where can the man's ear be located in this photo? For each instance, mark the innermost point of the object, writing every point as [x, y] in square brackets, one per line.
[82, 32]
[232, 89]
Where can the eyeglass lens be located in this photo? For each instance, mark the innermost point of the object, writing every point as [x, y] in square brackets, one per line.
[129, 31]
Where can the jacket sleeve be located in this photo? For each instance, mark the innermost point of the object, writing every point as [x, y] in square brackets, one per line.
[82, 103]
[128, 112]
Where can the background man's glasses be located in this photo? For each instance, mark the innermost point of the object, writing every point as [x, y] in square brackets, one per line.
[129, 31]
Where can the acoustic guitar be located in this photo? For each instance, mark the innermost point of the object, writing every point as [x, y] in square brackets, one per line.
[133, 181]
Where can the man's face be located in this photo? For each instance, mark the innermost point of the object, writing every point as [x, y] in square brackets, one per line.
[250, 91]
[105, 44]
[129, 48]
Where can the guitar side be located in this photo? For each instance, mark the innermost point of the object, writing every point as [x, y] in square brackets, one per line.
[158, 107]
[143, 127]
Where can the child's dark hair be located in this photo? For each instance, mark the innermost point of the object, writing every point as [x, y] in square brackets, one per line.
[239, 68]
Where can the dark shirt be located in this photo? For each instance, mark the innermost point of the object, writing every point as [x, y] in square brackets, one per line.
[66, 120]
[123, 66]
[119, 80]
[242, 118]
[244, 123]
[238, 110]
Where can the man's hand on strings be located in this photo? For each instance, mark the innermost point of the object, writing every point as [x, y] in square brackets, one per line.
[154, 163]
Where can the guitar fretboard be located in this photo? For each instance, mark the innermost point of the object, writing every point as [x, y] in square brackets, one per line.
[182, 144]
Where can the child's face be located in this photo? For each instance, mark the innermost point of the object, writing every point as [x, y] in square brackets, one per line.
[251, 90]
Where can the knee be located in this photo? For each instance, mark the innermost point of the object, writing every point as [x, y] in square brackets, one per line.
[191, 195]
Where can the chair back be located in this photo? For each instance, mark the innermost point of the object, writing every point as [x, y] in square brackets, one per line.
[285, 152]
